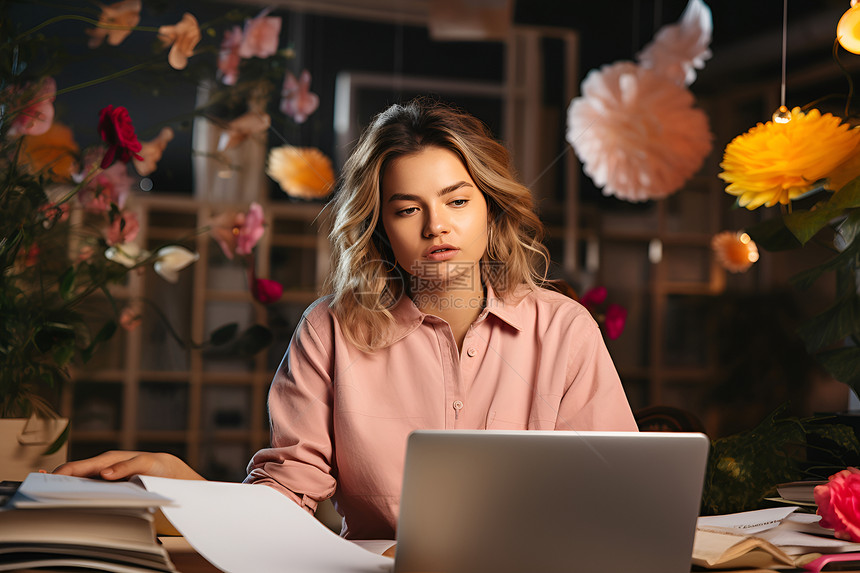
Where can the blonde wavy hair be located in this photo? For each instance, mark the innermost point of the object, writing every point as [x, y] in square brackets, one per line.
[365, 280]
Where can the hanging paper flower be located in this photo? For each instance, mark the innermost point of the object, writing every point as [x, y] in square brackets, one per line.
[115, 23]
[182, 39]
[131, 317]
[297, 101]
[636, 132]
[679, 49]
[735, 251]
[301, 171]
[127, 254]
[243, 127]
[251, 231]
[777, 162]
[123, 228]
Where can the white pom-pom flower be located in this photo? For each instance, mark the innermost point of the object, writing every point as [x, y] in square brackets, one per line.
[679, 49]
[636, 132]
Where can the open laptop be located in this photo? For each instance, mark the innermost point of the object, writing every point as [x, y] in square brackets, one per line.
[520, 501]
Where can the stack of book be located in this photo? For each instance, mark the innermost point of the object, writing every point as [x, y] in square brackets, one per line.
[62, 523]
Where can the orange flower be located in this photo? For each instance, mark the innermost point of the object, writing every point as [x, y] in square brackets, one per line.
[301, 171]
[118, 20]
[777, 162]
[735, 251]
[53, 152]
[182, 39]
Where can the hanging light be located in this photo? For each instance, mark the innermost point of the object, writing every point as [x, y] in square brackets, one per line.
[848, 29]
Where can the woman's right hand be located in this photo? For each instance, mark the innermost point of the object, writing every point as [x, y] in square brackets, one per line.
[117, 465]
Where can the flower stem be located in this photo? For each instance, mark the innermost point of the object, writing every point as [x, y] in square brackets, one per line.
[92, 21]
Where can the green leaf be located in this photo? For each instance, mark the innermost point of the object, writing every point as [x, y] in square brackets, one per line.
[844, 365]
[58, 443]
[849, 196]
[773, 235]
[224, 334]
[844, 259]
[67, 283]
[832, 325]
[63, 354]
[254, 339]
[805, 224]
[105, 333]
[850, 227]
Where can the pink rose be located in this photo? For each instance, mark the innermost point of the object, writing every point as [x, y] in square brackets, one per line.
[839, 504]
[228, 56]
[251, 231]
[111, 186]
[261, 36]
[266, 291]
[117, 131]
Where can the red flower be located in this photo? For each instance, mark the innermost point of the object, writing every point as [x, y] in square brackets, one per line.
[117, 131]
[616, 317]
[266, 291]
[594, 297]
[838, 504]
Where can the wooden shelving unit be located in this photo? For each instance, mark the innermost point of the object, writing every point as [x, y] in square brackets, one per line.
[145, 391]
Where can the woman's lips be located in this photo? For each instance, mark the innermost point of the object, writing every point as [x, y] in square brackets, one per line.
[441, 253]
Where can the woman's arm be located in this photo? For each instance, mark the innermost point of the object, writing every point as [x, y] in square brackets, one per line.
[117, 465]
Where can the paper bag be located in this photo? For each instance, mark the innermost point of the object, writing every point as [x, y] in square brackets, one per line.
[23, 442]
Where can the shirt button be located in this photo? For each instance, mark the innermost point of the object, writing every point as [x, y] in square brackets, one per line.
[471, 351]
[458, 405]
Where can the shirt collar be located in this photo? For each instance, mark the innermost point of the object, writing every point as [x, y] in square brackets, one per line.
[407, 316]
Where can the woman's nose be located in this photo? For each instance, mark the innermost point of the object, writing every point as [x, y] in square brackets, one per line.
[435, 225]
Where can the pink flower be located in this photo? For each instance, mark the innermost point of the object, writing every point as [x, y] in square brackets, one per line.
[117, 131]
[125, 14]
[594, 297]
[110, 186]
[261, 36]
[251, 231]
[616, 317]
[839, 504]
[36, 117]
[130, 317]
[151, 152]
[228, 56]
[266, 291]
[54, 213]
[182, 39]
[297, 101]
[123, 229]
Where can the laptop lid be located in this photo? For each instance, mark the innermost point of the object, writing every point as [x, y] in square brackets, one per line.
[516, 501]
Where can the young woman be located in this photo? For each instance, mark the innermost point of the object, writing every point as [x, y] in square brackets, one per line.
[435, 320]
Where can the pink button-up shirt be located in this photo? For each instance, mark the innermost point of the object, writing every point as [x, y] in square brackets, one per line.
[340, 417]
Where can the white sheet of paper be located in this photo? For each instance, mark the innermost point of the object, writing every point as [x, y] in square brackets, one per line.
[52, 490]
[243, 528]
[747, 522]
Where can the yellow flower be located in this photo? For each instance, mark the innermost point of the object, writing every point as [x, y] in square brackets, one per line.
[735, 251]
[301, 171]
[777, 162]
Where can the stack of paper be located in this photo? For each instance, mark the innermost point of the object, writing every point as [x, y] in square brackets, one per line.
[56, 522]
[767, 538]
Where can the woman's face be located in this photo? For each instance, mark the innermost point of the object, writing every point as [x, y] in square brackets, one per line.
[435, 218]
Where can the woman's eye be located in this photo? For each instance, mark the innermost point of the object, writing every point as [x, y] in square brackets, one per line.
[407, 211]
[459, 202]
